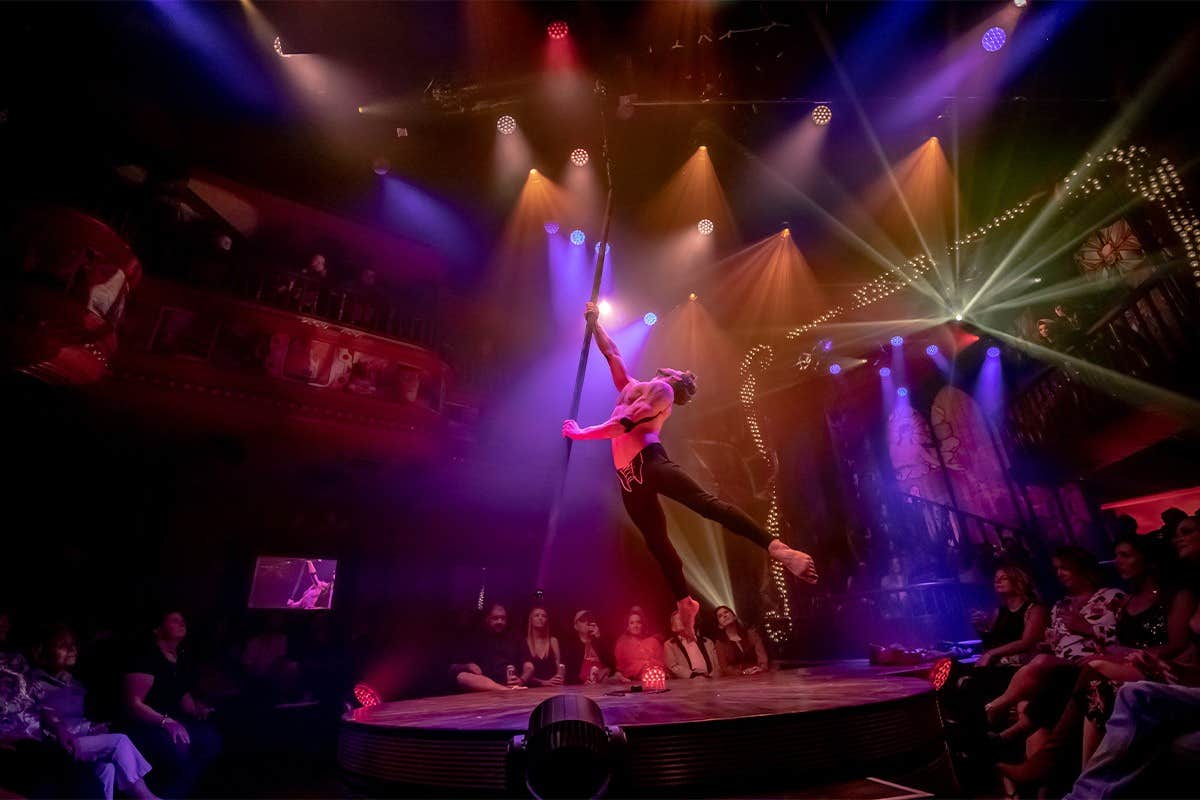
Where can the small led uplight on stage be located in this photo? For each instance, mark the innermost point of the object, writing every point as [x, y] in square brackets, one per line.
[579, 157]
[885, 372]
[650, 318]
[902, 391]
[607, 248]
[506, 125]
[897, 341]
[835, 369]
[551, 228]
[366, 696]
[706, 227]
[278, 45]
[993, 352]
[557, 29]
[568, 751]
[578, 237]
[931, 350]
[821, 115]
[993, 39]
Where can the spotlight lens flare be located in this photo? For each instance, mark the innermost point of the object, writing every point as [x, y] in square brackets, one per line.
[932, 350]
[578, 237]
[993, 352]
[691, 297]
[835, 369]
[579, 157]
[650, 318]
[607, 248]
[605, 308]
[822, 114]
[897, 341]
[993, 39]
[706, 227]
[551, 228]
[902, 391]
[557, 29]
[885, 372]
[958, 317]
[506, 125]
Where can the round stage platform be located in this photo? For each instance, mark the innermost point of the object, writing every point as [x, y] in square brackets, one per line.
[778, 731]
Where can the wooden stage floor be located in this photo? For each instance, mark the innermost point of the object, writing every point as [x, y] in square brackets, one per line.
[796, 725]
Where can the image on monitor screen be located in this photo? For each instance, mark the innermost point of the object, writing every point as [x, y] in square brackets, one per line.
[304, 584]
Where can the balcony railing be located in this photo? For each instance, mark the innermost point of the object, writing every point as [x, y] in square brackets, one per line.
[1153, 336]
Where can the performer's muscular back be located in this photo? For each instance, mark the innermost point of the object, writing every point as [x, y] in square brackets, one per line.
[647, 404]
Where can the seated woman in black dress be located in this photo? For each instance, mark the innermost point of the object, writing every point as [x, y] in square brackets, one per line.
[1013, 631]
[540, 651]
[740, 649]
[164, 720]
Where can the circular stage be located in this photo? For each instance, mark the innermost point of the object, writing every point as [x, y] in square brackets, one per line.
[777, 731]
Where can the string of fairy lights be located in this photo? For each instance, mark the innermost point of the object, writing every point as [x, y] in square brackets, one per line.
[1159, 183]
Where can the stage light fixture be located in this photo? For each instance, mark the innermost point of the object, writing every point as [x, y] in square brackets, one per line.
[835, 369]
[366, 696]
[557, 29]
[551, 228]
[568, 751]
[932, 350]
[578, 237]
[607, 248]
[278, 45]
[827, 345]
[650, 318]
[705, 226]
[885, 372]
[579, 157]
[958, 317]
[993, 39]
[897, 341]
[381, 165]
[506, 125]
[993, 352]
[940, 674]
[692, 297]
[902, 391]
[362, 109]
[654, 679]
[605, 308]
[822, 114]
[1020, 3]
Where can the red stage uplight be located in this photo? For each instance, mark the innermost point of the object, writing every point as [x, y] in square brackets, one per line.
[654, 679]
[940, 673]
[557, 29]
[366, 696]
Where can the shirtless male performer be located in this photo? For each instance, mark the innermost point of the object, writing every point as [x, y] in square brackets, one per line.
[645, 471]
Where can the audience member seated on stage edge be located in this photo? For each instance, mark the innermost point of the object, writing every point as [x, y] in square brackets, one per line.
[1081, 625]
[541, 657]
[636, 649]
[689, 657]
[164, 720]
[587, 657]
[1012, 632]
[116, 762]
[1155, 626]
[490, 661]
[739, 649]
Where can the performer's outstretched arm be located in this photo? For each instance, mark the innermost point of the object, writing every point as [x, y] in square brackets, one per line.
[625, 418]
[608, 348]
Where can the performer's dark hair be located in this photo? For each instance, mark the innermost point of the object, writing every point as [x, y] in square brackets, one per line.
[736, 624]
[684, 388]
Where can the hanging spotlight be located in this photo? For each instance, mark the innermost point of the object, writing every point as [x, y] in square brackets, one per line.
[578, 237]
[557, 29]
[897, 341]
[579, 157]
[551, 228]
[993, 39]
[650, 318]
[885, 372]
[705, 226]
[506, 125]
[822, 114]
[835, 369]
[993, 352]
[381, 165]
[932, 350]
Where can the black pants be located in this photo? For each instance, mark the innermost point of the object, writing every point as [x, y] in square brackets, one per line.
[176, 767]
[650, 474]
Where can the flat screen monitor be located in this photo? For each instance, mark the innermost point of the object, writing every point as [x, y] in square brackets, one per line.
[302, 584]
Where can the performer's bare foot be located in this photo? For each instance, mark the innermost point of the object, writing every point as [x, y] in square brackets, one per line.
[688, 609]
[796, 562]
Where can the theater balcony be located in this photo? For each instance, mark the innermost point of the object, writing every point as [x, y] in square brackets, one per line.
[257, 353]
[1120, 383]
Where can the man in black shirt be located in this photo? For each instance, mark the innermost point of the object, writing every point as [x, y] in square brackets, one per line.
[486, 660]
